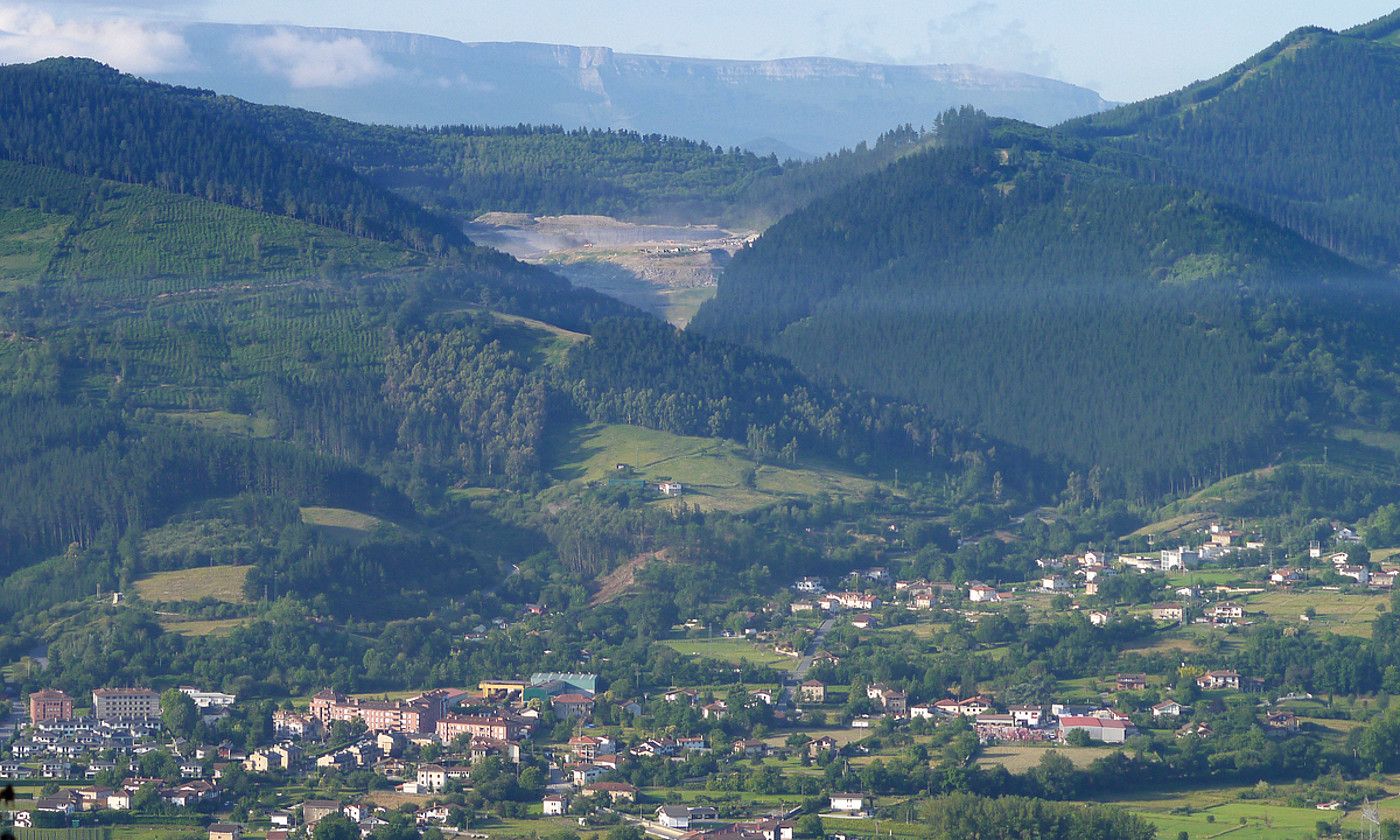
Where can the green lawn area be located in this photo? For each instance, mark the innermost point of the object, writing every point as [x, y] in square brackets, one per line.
[1191, 810]
[222, 583]
[28, 241]
[842, 735]
[1262, 821]
[1182, 524]
[682, 304]
[919, 629]
[225, 422]
[1216, 577]
[201, 627]
[539, 827]
[1339, 612]
[733, 651]
[156, 832]
[1184, 640]
[1018, 758]
[717, 474]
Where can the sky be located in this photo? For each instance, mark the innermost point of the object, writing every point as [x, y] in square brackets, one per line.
[1124, 49]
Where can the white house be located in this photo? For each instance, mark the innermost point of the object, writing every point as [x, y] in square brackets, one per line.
[982, 594]
[974, 706]
[674, 816]
[1360, 574]
[208, 699]
[555, 805]
[1029, 716]
[432, 777]
[849, 803]
[1227, 611]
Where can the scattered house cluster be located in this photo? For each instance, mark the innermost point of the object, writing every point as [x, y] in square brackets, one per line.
[125, 723]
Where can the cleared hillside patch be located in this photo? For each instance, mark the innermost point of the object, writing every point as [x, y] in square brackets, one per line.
[1344, 613]
[201, 627]
[339, 522]
[225, 422]
[222, 583]
[717, 474]
[28, 241]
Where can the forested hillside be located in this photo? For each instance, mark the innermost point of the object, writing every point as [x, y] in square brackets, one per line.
[374, 181]
[1303, 133]
[183, 321]
[1008, 282]
[465, 171]
[84, 118]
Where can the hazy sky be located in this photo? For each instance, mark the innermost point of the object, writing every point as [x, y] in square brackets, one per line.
[1125, 49]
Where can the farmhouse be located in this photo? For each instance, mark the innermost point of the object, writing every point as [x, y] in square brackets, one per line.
[1131, 682]
[1168, 612]
[1226, 611]
[979, 593]
[857, 600]
[1218, 680]
[432, 777]
[614, 791]
[1028, 716]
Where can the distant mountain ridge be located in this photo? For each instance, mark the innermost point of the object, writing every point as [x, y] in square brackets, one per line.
[812, 105]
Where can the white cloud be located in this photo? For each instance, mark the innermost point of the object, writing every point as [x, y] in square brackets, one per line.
[309, 62]
[27, 34]
[983, 34]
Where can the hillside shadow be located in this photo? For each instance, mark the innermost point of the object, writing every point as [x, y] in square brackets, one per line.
[615, 281]
[567, 451]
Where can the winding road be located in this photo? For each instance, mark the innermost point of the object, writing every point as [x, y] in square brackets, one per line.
[804, 665]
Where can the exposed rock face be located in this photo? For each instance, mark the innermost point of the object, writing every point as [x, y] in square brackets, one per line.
[798, 105]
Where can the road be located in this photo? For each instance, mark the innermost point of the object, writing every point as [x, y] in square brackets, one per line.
[804, 665]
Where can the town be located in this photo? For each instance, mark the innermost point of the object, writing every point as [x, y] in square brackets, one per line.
[816, 746]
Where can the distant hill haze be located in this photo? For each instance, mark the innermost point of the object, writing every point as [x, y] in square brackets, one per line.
[790, 107]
